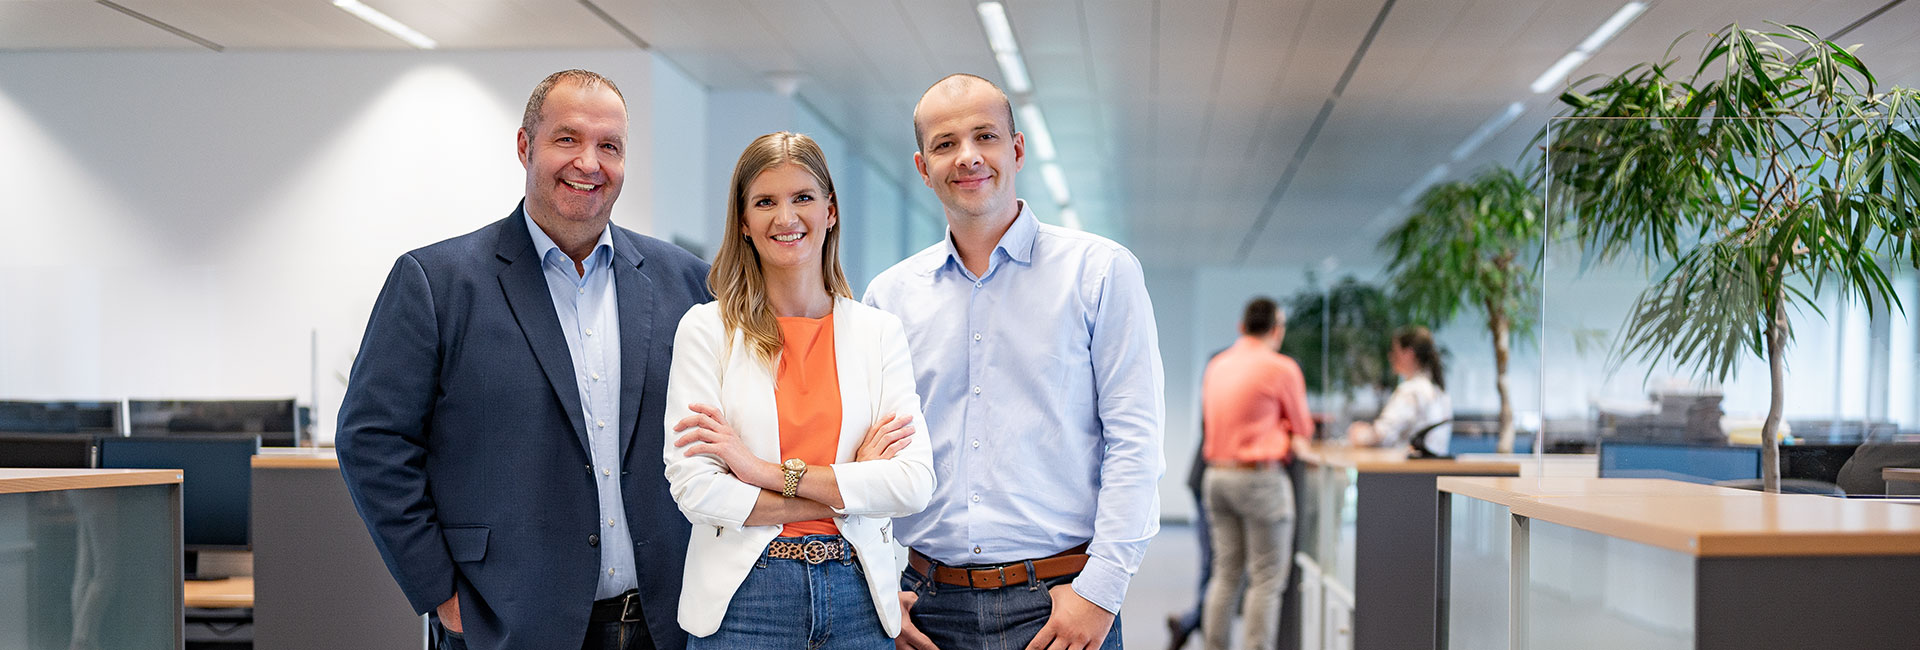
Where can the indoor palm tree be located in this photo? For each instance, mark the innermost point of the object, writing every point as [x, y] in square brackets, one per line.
[1339, 336]
[1472, 245]
[1773, 172]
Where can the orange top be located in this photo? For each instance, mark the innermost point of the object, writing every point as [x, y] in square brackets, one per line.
[1253, 400]
[806, 389]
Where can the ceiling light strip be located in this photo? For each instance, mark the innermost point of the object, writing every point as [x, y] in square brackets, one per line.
[1034, 125]
[1615, 24]
[169, 28]
[1056, 183]
[386, 23]
[1493, 126]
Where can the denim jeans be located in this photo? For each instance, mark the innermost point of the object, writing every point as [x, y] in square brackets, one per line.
[600, 636]
[1251, 512]
[965, 618]
[792, 605]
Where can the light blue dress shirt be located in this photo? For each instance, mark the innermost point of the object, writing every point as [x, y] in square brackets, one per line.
[590, 318]
[1045, 376]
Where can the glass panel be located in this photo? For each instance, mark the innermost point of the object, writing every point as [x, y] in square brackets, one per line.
[96, 568]
[1588, 591]
[1479, 562]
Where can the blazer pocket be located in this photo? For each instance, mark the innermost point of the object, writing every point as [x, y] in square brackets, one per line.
[466, 543]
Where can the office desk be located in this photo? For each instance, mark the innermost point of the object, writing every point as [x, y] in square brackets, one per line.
[1903, 481]
[219, 594]
[90, 558]
[1651, 564]
[1368, 544]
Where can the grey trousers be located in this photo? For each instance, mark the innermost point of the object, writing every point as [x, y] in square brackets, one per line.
[1251, 515]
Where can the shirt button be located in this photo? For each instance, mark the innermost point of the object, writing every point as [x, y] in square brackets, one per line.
[609, 571]
[589, 331]
[976, 336]
[608, 472]
[593, 540]
[583, 291]
[976, 444]
[976, 390]
[976, 498]
[603, 423]
[976, 550]
[609, 522]
[976, 285]
[596, 376]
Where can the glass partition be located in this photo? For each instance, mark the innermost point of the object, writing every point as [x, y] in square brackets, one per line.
[91, 568]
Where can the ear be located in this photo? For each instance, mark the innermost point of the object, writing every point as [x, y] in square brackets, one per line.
[1019, 150]
[920, 165]
[521, 141]
[833, 214]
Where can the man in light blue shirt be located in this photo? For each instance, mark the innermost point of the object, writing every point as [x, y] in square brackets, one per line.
[1035, 346]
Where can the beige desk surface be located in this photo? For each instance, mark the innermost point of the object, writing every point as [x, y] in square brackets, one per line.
[1394, 460]
[1901, 474]
[1706, 521]
[304, 460]
[215, 594]
[16, 480]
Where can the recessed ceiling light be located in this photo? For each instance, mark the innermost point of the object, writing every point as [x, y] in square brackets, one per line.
[386, 23]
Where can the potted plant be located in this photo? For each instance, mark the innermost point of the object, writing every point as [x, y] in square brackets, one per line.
[1339, 336]
[1773, 171]
[1472, 244]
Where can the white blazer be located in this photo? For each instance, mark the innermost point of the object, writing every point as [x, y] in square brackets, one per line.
[876, 379]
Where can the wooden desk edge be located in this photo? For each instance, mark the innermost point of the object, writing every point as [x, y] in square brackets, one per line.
[279, 461]
[1718, 543]
[236, 591]
[1901, 474]
[16, 481]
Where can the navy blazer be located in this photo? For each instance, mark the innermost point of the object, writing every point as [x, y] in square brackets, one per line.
[464, 445]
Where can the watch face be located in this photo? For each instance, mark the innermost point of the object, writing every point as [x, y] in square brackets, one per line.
[795, 464]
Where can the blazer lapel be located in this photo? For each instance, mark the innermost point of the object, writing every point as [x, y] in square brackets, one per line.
[532, 305]
[636, 296]
[851, 359]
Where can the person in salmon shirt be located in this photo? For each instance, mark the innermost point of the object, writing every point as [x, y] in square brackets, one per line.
[793, 426]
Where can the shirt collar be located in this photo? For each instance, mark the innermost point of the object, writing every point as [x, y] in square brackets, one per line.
[602, 254]
[1017, 242]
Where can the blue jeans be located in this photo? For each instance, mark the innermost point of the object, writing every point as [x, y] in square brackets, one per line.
[792, 605]
[965, 618]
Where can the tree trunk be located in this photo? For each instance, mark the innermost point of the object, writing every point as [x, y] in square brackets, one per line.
[1498, 325]
[1770, 433]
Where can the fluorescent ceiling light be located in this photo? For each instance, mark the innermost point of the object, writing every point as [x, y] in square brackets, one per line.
[1558, 72]
[1433, 176]
[1592, 43]
[1489, 129]
[1070, 219]
[386, 23]
[1014, 71]
[1056, 183]
[1035, 126]
[993, 16]
[1612, 27]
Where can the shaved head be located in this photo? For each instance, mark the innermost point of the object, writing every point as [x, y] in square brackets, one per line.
[952, 88]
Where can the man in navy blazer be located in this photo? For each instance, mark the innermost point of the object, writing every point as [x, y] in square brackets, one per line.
[505, 379]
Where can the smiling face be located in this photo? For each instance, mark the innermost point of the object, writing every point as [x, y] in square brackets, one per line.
[575, 157]
[787, 216]
[969, 152]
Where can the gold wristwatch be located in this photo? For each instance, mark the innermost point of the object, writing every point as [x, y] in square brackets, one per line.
[793, 469]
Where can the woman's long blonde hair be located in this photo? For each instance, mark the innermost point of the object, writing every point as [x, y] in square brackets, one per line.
[736, 279]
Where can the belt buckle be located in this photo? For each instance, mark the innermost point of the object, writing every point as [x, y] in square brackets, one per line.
[814, 552]
[630, 608]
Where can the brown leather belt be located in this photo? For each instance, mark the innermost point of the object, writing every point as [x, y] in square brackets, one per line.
[1066, 562]
[1229, 464]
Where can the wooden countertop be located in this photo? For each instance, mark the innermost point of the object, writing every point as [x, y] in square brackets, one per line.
[216, 594]
[1394, 460]
[302, 460]
[13, 481]
[1901, 474]
[1707, 521]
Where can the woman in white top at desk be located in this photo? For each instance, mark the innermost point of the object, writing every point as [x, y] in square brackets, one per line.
[1419, 403]
[792, 412]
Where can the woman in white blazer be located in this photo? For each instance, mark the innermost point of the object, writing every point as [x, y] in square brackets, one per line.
[791, 490]
[1419, 404]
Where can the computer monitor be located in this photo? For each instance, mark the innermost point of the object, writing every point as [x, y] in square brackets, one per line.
[54, 450]
[216, 483]
[89, 417]
[273, 419]
[1680, 462]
